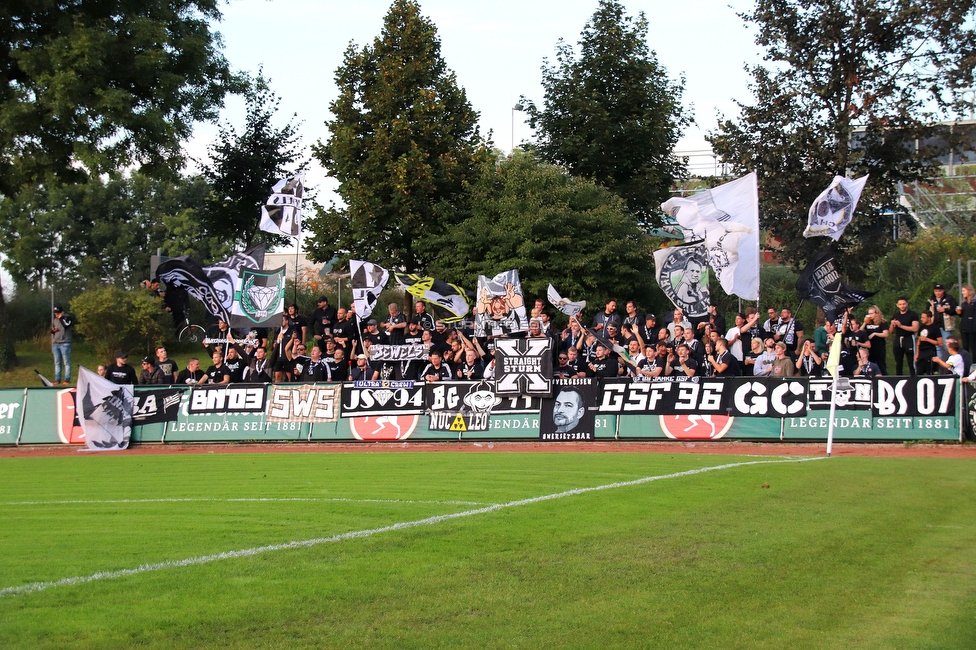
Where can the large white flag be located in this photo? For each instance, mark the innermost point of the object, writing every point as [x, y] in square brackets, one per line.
[105, 412]
[282, 214]
[833, 210]
[727, 219]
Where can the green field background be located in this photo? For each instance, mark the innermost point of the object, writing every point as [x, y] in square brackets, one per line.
[836, 553]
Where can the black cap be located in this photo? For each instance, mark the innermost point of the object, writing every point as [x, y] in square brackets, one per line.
[937, 286]
[650, 316]
[371, 321]
[121, 355]
[147, 360]
[58, 310]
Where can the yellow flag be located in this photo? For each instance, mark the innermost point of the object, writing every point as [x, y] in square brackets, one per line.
[833, 360]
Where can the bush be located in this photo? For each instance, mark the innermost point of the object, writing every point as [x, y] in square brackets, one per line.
[30, 315]
[111, 319]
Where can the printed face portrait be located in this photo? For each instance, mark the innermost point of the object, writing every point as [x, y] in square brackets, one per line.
[567, 410]
[693, 271]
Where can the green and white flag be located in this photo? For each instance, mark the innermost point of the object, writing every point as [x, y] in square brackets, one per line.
[259, 298]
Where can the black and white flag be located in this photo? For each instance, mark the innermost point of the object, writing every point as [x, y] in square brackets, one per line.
[727, 219]
[833, 210]
[282, 214]
[682, 272]
[820, 283]
[225, 275]
[106, 411]
[368, 282]
[565, 305]
[187, 274]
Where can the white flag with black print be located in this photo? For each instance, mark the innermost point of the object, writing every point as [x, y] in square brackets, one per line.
[368, 282]
[727, 219]
[682, 273]
[833, 210]
[282, 214]
[565, 305]
[104, 411]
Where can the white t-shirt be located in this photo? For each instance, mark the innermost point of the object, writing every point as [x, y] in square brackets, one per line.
[735, 342]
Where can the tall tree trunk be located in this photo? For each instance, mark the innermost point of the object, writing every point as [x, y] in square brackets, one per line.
[8, 358]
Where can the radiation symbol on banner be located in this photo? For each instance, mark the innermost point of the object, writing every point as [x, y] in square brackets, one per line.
[458, 424]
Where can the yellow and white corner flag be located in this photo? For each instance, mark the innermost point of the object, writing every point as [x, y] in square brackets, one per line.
[833, 359]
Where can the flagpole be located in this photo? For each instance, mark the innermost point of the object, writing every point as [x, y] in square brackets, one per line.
[298, 250]
[833, 406]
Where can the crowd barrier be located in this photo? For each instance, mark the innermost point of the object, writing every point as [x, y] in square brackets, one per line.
[880, 409]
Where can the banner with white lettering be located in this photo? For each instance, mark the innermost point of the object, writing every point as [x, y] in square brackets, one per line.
[704, 396]
[857, 397]
[237, 398]
[156, 405]
[914, 396]
[361, 398]
[304, 403]
[460, 406]
[523, 366]
[416, 352]
[11, 413]
[570, 414]
[775, 398]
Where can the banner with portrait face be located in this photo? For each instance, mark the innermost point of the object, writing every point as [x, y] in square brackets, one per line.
[570, 414]
[682, 273]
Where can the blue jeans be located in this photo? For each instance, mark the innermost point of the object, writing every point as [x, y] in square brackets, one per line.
[62, 355]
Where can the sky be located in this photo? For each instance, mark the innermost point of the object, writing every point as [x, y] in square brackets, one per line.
[496, 50]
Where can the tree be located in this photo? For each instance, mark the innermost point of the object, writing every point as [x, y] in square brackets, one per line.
[70, 236]
[612, 114]
[93, 87]
[113, 319]
[852, 88]
[403, 145]
[551, 227]
[243, 167]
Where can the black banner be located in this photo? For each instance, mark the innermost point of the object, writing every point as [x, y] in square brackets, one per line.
[857, 397]
[914, 396]
[236, 398]
[757, 397]
[153, 406]
[523, 366]
[451, 396]
[705, 396]
[382, 398]
[570, 414]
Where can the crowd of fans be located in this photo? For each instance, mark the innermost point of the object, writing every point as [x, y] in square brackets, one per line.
[333, 344]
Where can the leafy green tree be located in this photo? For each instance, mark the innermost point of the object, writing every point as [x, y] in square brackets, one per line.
[403, 145]
[71, 236]
[850, 88]
[92, 87]
[612, 114]
[112, 319]
[553, 228]
[243, 167]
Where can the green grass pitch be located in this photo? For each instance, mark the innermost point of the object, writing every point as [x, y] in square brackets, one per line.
[837, 553]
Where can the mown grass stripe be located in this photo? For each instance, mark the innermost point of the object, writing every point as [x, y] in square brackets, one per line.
[427, 521]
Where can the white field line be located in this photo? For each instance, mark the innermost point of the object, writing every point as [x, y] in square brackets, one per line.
[427, 521]
[244, 500]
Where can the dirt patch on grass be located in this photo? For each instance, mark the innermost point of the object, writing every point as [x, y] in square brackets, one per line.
[890, 450]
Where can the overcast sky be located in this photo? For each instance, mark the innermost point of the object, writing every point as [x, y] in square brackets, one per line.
[496, 49]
